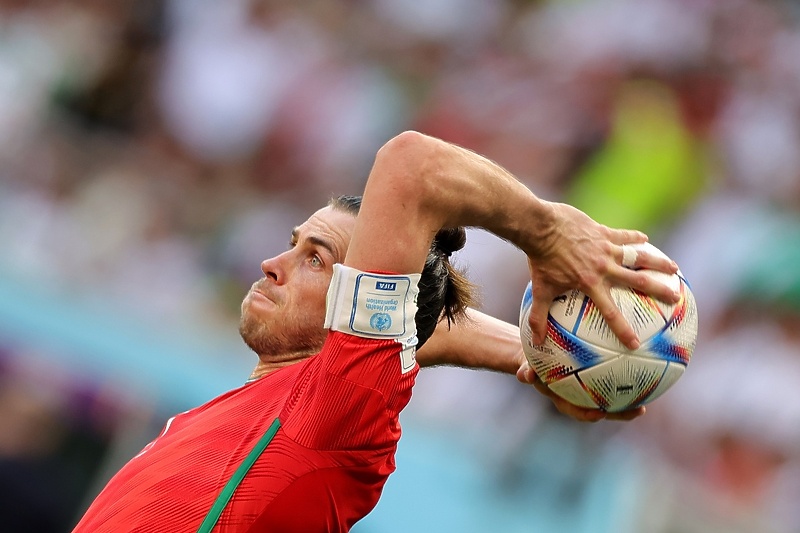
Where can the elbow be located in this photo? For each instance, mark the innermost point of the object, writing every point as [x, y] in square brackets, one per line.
[407, 143]
[409, 161]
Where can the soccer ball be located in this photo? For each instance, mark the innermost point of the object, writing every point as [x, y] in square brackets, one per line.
[582, 361]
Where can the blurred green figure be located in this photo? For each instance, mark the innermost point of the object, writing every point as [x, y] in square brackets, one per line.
[651, 168]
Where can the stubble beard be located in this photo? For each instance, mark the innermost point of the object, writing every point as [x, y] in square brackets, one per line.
[280, 345]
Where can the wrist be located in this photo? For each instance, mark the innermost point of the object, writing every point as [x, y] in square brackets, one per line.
[537, 227]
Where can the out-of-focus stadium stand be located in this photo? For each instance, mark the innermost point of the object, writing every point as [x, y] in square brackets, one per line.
[152, 153]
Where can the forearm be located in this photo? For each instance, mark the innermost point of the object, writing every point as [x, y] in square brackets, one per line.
[467, 189]
[420, 184]
[479, 341]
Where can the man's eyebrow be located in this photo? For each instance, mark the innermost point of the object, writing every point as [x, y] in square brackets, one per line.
[317, 241]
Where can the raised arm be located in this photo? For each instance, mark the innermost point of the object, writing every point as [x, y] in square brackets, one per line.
[419, 184]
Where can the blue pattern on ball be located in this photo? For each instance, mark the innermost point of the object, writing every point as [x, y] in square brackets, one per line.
[580, 351]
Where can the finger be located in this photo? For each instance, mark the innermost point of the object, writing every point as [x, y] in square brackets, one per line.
[614, 318]
[644, 259]
[580, 414]
[629, 256]
[626, 236]
[540, 309]
[630, 414]
[526, 374]
[647, 283]
[651, 261]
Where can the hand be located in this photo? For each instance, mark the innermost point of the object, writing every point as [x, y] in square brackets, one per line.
[580, 253]
[526, 374]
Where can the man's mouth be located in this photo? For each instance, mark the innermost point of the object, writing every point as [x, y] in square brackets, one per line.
[259, 292]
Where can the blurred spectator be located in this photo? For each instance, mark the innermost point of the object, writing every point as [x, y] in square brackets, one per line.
[53, 435]
[153, 153]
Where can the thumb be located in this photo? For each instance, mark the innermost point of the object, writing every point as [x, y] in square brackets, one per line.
[526, 374]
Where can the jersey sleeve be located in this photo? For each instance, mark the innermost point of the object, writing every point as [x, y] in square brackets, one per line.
[350, 395]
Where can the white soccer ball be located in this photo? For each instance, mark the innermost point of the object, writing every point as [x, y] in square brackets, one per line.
[582, 361]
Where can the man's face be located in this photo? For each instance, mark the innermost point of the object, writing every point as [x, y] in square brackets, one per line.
[283, 313]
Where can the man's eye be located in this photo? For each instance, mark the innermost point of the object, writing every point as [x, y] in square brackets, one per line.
[316, 261]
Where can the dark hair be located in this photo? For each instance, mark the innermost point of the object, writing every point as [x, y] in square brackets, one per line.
[444, 291]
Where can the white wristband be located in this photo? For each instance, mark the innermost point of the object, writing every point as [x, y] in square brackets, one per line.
[373, 306]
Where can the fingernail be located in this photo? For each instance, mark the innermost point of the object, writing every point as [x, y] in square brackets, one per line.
[634, 345]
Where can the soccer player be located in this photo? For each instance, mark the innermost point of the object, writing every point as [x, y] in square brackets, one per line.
[308, 442]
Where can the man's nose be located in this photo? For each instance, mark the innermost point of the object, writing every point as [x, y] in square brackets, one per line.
[274, 268]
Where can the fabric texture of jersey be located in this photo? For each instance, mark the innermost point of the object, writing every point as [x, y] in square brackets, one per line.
[323, 470]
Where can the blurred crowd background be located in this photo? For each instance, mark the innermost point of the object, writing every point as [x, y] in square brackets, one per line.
[152, 153]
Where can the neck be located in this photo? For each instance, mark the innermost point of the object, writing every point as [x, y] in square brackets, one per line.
[268, 365]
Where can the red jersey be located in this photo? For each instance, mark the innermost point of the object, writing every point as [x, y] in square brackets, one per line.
[323, 470]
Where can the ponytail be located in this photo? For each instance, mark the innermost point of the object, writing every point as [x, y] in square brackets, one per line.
[444, 291]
